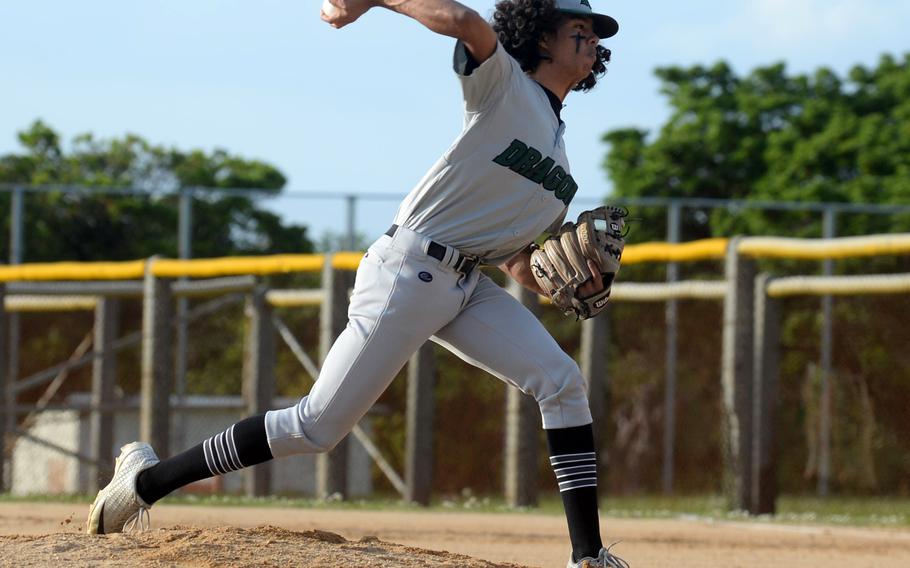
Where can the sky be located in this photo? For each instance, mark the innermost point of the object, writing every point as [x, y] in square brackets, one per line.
[369, 108]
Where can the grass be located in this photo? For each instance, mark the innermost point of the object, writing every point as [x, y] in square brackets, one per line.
[852, 511]
[791, 509]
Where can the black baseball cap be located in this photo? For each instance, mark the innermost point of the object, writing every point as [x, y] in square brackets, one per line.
[604, 26]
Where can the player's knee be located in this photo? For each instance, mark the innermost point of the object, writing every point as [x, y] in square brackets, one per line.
[326, 441]
[570, 388]
[300, 444]
[565, 402]
[565, 379]
[290, 435]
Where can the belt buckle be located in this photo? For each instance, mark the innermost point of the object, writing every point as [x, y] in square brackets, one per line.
[466, 264]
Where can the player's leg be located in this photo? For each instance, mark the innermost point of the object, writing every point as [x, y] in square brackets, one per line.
[358, 368]
[404, 299]
[392, 312]
[496, 333]
[387, 322]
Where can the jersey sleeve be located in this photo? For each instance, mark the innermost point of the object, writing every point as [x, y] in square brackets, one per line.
[483, 84]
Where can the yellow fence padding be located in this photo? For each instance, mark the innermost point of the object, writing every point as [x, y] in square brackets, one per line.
[706, 249]
[295, 298]
[129, 270]
[663, 291]
[818, 249]
[346, 260]
[839, 285]
[31, 303]
[274, 264]
[230, 266]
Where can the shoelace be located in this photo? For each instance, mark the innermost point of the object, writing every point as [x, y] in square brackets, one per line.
[612, 561]
[138, 520]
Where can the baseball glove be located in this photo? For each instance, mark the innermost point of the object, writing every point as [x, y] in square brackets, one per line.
[560, 264]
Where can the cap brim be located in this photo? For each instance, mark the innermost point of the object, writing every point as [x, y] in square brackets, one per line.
[604, 26]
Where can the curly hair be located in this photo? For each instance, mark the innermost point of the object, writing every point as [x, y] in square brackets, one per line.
[520, 25]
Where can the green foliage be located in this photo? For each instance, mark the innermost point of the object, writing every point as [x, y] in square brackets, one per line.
[122, 225]
[125, 225]
[769, 136]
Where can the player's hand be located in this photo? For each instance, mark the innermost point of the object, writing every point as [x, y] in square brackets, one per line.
[594, 285]
[345, 12]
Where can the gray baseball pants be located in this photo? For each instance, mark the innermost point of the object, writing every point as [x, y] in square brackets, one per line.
[402, 297]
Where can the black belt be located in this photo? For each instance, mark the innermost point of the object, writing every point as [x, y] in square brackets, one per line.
[463, 263]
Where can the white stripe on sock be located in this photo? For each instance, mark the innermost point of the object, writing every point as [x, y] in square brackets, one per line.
[232, 447]
[569, 458]
[205, 453]
[210, 457]
[214, 443]
[592, 469]
[578, 484]
[223, 453]
[216, 446]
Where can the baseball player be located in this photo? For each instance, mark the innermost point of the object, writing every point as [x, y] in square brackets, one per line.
[502, 183]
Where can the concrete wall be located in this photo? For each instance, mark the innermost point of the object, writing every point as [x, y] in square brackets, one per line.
[38, 469]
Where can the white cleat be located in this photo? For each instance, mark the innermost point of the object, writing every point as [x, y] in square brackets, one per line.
[118, 507]
[605, 559]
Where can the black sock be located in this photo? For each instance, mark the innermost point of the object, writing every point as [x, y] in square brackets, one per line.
[242, 445]
[575, 463]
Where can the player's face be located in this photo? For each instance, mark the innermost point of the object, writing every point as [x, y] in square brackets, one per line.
[573, 48]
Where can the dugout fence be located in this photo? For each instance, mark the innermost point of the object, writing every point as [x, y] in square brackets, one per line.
[748, 360]
[675, 217]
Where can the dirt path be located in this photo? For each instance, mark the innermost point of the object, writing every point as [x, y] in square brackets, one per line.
[49, 534]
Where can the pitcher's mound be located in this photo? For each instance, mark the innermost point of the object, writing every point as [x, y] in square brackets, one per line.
[224, 546]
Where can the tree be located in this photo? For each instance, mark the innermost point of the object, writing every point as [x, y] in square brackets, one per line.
[125, 225]
[769, 136]
[121, 225]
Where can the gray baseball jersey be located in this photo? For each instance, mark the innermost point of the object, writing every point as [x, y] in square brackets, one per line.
[503, 182]
[506, 178]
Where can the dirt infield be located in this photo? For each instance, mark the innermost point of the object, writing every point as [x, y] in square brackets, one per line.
[50, 535]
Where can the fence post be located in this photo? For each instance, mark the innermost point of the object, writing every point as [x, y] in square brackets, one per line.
[12, 329]
[351, 210]
[331, 467]
[767, 357]
[184, 250]
[258, 379]
[104, 377]
[5, 406]
[829, 224]
[595, 336]
[157, 362]
[671, 317]
[522, 429]
[420, 422]
[736, 378]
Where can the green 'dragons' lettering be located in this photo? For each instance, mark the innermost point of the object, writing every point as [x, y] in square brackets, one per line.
[530, 163]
